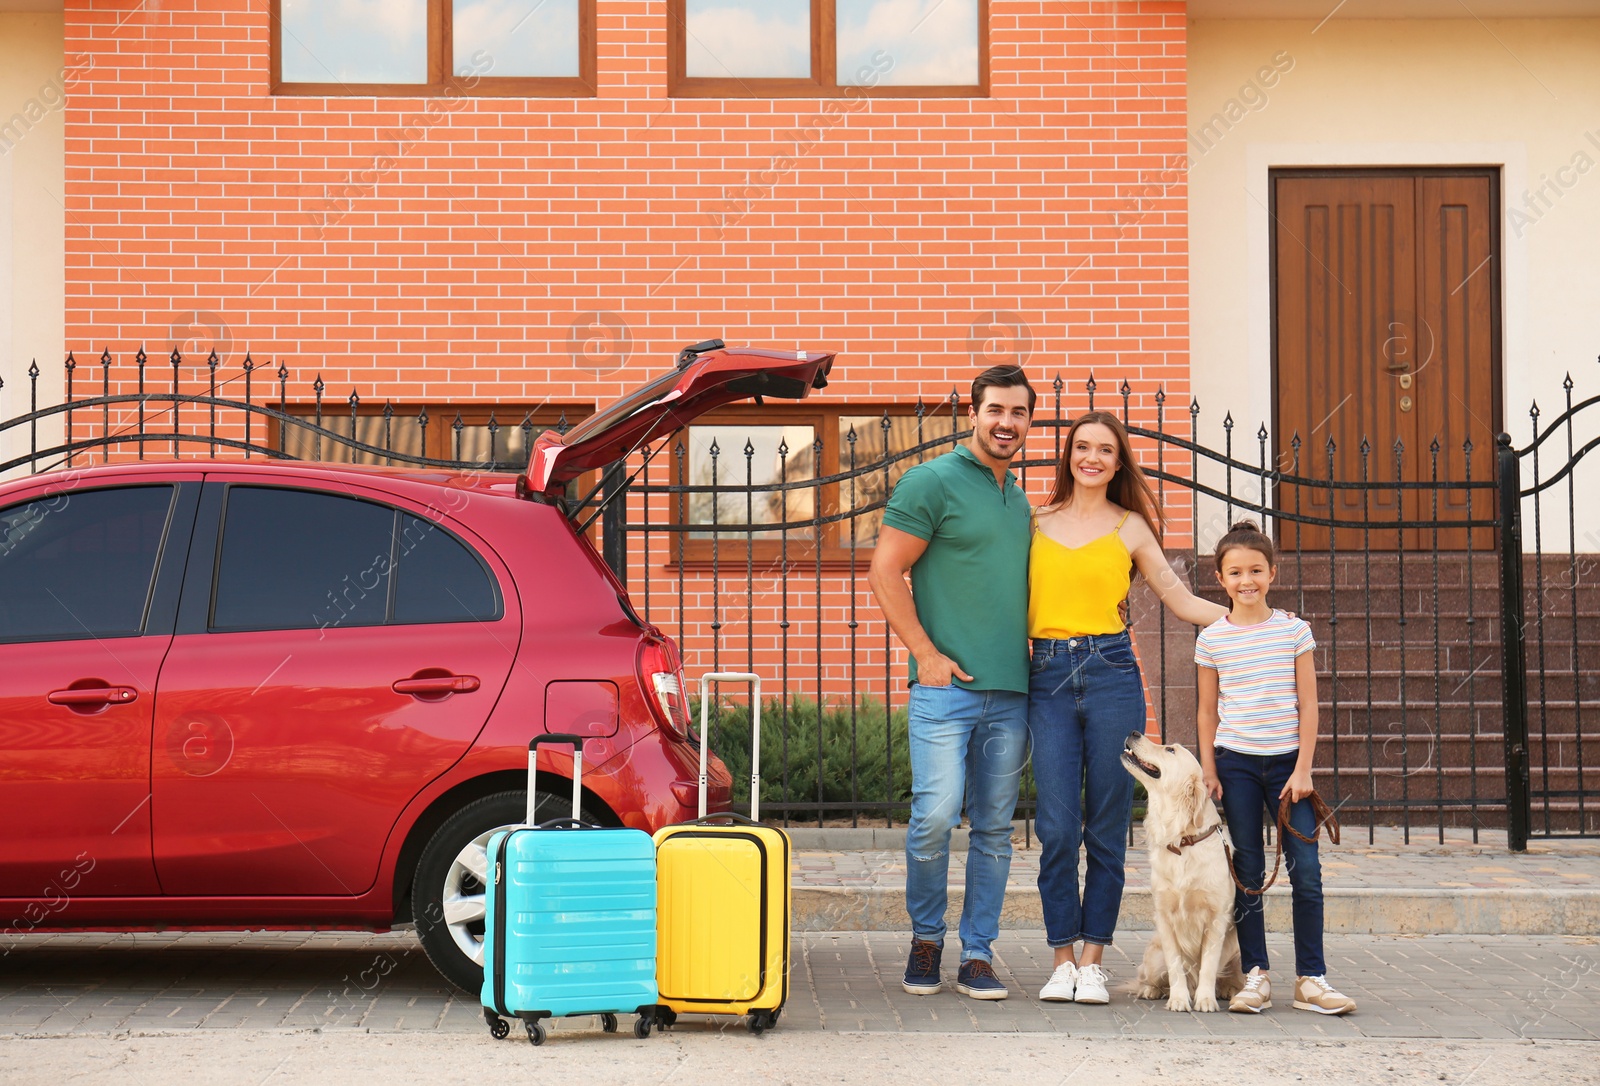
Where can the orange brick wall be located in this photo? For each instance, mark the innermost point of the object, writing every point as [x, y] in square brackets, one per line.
[922, 239]
[457, 271]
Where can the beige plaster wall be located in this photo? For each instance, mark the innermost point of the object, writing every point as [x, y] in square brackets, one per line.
[1520, 94]
[32, 217]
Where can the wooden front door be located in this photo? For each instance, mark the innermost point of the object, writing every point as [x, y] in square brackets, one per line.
[1386, 329]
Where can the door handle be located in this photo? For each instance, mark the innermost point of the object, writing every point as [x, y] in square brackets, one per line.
[437, 684]
[93, 696]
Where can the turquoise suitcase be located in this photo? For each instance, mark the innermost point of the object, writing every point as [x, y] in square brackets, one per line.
[571, 923]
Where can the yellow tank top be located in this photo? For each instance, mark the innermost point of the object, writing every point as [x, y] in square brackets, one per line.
[1073, 591]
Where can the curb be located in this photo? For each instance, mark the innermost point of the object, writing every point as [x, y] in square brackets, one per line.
[1345, 911]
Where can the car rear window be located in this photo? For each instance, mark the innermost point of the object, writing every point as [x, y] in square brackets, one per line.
[304, 559]
[80, 564]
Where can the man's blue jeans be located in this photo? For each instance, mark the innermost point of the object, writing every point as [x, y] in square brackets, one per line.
[970, 743]
[1084, 697]
[1251, 785]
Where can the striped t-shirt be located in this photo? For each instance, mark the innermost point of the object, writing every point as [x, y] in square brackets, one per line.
[1257, 707]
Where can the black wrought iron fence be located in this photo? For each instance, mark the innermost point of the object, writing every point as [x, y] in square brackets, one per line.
[1459, 658]
[145, 421]
[1561, 623]
[1411, 567]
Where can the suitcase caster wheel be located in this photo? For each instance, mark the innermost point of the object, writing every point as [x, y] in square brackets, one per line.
[668, 1017]
[608, 1022]
[536, 1034]
[761, 1021]
[499, 1029]
[641, 1027]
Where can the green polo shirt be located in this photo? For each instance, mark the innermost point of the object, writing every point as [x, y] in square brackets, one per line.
[971, 584]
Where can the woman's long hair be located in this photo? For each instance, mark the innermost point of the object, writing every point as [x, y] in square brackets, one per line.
[1128, 487]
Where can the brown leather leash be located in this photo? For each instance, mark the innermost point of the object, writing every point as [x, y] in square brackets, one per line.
[1325, 818]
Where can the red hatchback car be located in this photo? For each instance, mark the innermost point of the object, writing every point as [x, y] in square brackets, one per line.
[294, 695]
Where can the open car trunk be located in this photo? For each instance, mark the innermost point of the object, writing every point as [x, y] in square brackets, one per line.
[708, 375]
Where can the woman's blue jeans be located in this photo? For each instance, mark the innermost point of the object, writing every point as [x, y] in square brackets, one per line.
[1084, 697]
[1251, 785]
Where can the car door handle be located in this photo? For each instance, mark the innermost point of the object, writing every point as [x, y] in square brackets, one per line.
[95, 695]
[437, 684]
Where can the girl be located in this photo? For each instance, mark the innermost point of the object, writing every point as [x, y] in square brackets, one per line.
[1084, 690]
[1258, 736]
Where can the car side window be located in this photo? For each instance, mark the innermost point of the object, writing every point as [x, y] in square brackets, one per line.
[81, 564]
[303, 559]
[438, 579]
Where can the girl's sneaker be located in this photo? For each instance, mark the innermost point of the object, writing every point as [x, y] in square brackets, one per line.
[1255, 996]
[1316, 994]
[1092, 985]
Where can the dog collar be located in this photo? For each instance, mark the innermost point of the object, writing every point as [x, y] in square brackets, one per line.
[1192, 839]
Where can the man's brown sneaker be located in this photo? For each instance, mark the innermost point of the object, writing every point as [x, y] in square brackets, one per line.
[1316, 994]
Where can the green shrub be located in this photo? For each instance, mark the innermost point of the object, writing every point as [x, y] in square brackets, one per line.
[878, 777]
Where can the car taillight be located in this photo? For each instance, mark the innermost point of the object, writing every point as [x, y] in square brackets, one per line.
[662, 678]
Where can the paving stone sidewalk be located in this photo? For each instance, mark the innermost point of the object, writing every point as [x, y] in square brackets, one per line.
[1444, 987]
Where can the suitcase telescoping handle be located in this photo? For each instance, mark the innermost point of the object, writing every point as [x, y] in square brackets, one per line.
[566, 740]
[755, 738]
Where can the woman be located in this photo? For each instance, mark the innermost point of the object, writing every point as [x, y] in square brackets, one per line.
[1084, 691]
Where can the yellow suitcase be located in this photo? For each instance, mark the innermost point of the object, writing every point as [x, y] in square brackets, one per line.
[722, 901]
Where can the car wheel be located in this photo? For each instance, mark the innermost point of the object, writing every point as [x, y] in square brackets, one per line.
[448, 895]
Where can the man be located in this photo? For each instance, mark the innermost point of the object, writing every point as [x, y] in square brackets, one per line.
[960, 525]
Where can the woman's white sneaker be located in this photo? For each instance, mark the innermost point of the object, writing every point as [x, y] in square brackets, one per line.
[1092, 985]
[1062, 985]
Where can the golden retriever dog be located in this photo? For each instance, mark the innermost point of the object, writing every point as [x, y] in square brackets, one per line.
[1196, 949]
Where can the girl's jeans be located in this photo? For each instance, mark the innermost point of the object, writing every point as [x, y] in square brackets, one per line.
[1251, 784]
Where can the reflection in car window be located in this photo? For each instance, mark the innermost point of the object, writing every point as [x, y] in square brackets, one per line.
[301, 559]
[439, 579]
[78, 565]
